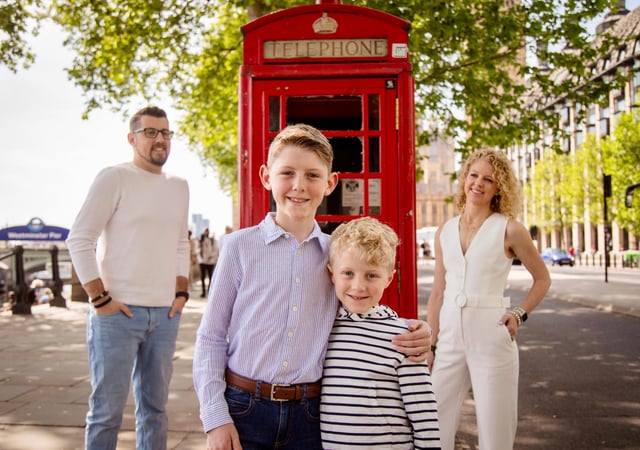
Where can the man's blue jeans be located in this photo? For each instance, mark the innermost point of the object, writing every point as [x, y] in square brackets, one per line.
[120, 349]
[264, 424]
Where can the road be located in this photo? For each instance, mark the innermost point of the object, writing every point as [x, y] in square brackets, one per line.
[579, 370]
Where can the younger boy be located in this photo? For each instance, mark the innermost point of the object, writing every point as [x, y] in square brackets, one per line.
[372, 395]
[261, 343]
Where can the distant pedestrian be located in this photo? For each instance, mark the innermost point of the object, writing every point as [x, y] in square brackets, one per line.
[137, 282]
[473, 327]
[194, 267]
[208, 257]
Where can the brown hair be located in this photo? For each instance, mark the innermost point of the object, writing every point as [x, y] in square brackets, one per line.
[154, 111]
[304, 136]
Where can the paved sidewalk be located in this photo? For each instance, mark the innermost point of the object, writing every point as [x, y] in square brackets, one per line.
[44, 382]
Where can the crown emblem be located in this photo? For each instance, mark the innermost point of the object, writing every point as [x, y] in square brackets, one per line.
[325, 25]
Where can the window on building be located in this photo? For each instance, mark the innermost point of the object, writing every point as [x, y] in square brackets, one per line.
[635, 82]
[579, 137]
[591, 120]
[604, 122]
[622, 54]
[620, 105]
[565, 115]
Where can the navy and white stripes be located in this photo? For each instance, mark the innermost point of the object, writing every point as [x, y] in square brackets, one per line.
[372, 395]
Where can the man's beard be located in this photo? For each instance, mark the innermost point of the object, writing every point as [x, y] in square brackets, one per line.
[156, 158]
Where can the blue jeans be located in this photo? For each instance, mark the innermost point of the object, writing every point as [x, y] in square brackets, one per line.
[264, 424]
[120, 349]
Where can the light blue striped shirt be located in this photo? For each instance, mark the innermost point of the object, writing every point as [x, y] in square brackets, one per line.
[270, 311]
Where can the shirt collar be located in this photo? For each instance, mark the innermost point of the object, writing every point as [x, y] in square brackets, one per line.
[377, 312]
[272, 231]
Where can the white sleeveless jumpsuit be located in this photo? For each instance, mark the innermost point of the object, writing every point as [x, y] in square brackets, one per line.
[474, 350]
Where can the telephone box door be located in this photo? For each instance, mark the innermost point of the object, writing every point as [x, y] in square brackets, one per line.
[360, 120]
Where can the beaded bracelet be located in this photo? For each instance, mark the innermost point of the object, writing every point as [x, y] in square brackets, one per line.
[103, 303]
[516, 315]
[522, 312]
[100, 297]
[519, 314]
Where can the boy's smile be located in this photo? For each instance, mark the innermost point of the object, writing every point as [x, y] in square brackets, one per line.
[359, 285]
[298, 180]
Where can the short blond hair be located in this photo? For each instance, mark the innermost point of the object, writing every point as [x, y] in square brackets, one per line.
[303, 136]
[508, 199]
[376, 240]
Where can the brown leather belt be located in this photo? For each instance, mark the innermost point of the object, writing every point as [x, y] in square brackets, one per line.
[274, 392]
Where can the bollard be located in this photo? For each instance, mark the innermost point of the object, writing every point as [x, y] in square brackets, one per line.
[21, 306]
[58, 300]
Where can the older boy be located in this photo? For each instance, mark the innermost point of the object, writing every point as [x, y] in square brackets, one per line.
[262, 339]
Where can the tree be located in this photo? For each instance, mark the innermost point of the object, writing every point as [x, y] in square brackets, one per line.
[18, 20]
[621, 155]
[549, 194]
[468, 60]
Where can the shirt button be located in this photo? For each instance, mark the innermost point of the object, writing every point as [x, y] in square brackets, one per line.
[297, 279]
[290, 334]
[285, 363]
[295, 309]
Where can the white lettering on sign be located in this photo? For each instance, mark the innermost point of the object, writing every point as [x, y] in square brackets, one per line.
[326, 48]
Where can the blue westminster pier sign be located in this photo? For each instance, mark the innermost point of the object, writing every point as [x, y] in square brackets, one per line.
[35, 230]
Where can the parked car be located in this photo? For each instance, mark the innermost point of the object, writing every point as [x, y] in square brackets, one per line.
[559, 256]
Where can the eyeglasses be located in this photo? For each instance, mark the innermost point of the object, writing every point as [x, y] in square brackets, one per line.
[152, 133]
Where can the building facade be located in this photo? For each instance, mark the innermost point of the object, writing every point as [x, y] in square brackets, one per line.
[434, 193]
[581, 234]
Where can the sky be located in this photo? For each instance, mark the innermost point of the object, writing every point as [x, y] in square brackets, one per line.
[49, 156]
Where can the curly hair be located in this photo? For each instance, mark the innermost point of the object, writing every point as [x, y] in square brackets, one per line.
[508, 199]
[376, 240]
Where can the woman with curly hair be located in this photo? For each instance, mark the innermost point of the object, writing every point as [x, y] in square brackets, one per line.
[474, 326]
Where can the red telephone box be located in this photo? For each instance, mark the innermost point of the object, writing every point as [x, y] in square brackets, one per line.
[344, 70]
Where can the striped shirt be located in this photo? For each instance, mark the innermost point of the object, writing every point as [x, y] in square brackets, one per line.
[270, 311]
[372, 395]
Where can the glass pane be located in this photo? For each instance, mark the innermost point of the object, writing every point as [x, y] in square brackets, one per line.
[374, 197]
[348, 154]
[274, 113]
[329, 227]
[374, 155]
[374, 112]
[347, 199]
[339, 112]
[352, 196]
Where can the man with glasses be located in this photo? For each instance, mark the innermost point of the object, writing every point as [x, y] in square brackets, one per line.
[129, 246]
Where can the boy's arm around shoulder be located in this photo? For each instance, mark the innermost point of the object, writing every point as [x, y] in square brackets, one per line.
[416, 342]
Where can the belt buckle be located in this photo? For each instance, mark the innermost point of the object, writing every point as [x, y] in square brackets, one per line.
[272, 393]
